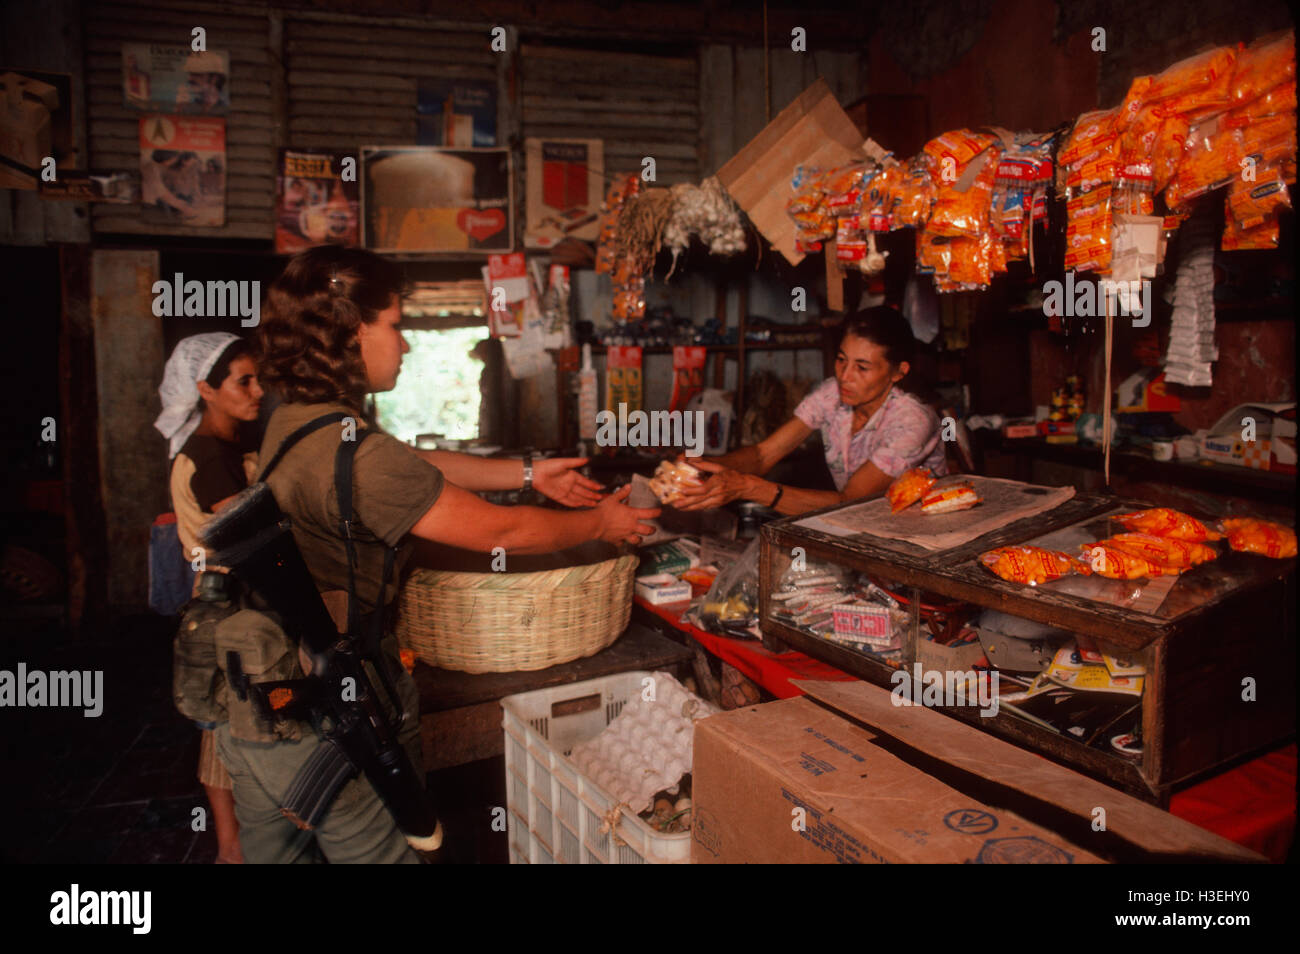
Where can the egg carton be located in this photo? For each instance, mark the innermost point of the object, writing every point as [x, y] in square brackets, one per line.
[648, 747]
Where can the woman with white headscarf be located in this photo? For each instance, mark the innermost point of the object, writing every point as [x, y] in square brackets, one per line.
[210, 396]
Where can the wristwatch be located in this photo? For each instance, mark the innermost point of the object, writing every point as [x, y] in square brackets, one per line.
[528, 472]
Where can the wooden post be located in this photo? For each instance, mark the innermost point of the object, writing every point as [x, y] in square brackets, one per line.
[86, 539]
[834, 278]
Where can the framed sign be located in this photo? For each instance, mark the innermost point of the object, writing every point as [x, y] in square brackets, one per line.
[426, 199]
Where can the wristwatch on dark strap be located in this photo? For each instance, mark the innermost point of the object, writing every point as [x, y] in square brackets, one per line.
[528, 472]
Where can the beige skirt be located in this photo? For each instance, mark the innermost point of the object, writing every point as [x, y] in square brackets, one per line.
[211, 772]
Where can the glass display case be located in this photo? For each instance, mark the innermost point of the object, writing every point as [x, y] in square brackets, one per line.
[1147, 684]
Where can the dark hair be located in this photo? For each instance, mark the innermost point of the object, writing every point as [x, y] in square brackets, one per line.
[308, 335]
[236, 349]
[883, 326]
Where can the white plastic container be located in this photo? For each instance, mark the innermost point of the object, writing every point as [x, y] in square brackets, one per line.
[554, 812]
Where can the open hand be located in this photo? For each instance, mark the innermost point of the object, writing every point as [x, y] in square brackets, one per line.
[621, 523]
[558, 478]
[723, 486]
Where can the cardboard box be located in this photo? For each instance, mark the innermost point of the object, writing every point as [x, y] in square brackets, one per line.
[1274, 445]
[814, 131]
[1145, 391]
[794, 782]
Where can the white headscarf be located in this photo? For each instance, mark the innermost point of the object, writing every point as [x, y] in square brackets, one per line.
[182, 408]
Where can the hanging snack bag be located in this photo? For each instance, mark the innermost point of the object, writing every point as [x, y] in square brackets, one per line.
[1263, 537]
[1262, 66]
[909, 487]
[1031, 565]
[1211, 159]
[1164, 522]
[965, 212]
[1087, 231]
[950, 152]
[1192, 76]
[1167, 152]
[1252, 203]
[1092, 134]
[1278, 101]
[1264, 235]
[913, 195]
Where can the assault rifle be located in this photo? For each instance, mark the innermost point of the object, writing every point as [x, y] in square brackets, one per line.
[253, 537]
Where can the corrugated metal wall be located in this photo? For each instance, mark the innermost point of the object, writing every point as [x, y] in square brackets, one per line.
[113, 129]
[640, 105]
[352, 82]
[320, 80]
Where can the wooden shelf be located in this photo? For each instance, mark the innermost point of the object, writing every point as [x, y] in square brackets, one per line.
[722, 348]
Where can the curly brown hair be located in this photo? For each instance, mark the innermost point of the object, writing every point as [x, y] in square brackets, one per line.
[309, 352]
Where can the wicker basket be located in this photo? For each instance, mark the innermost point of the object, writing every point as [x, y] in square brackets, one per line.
[503, 622]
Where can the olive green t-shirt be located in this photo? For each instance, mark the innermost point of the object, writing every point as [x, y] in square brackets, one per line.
[392, 489]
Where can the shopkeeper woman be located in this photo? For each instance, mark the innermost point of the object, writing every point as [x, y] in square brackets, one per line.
[210, 398]
[872, 430]
[329, 335]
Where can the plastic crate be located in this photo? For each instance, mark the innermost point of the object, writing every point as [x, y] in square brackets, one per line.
[555, 813]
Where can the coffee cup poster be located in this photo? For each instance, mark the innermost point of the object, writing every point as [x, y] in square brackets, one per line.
[431, 200]
[315, 203]
[175, 79]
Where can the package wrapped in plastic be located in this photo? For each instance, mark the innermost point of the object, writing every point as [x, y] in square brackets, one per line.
[1192, 75]
[1031, 565]
[1166, 522]
[1166, 551]
[1252, 203]
[909, 487]
[1116, 564]
[1262, 537]
[1262, 66]
[1092, 134]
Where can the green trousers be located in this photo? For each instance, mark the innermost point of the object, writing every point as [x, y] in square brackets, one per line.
[358, 828]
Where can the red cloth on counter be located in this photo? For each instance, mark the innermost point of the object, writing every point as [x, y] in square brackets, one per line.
[1253, 804]
[772, 671]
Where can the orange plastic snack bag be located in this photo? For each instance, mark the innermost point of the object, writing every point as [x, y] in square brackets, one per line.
[958, 147]
[1164, 522]
[1264, 64]
[1115, 564]
[1278, 101]
[1168, 149]
[1263, 537]
[908, 488]
[1162, 550]
[1262, 236]
[1251, 203]
[1032, 565]
[1192, 75]
[1092, 133]
[949, 499]
[1270, 139]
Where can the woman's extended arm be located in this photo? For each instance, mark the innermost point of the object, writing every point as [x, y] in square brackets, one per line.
[761, 457]
[727, 485]
[556, 477]
[459, 518]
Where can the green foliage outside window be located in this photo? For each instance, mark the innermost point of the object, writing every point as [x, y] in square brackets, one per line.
[438, 389]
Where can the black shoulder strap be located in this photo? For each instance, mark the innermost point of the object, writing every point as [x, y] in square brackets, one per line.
[343, 467]
[313, 425]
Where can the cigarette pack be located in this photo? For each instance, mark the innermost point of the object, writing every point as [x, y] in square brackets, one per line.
[662, 588]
